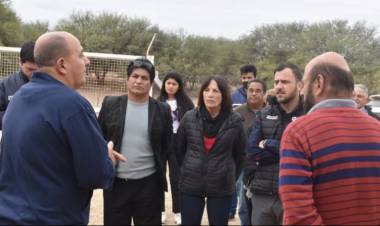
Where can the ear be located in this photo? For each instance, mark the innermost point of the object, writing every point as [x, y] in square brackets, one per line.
[299, 86]
[319, 85]
[61, 66]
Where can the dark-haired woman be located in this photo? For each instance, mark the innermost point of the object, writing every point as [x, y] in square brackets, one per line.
[210, 149]
[173, 93]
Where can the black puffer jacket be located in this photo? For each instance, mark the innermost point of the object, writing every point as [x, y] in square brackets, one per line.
[213, 174]
[270, 124]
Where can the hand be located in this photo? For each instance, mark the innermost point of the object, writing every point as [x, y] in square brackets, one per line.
[262, 144]
[114, 155]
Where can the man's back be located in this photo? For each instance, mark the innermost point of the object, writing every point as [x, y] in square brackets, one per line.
[330, 169]
[53, 155]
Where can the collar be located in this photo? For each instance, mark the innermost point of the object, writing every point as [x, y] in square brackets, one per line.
[333, 103]
[38, 75]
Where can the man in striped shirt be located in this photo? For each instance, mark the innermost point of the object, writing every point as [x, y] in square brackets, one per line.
[330, 158]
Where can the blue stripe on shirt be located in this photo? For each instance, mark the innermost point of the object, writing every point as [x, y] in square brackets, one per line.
[348, 174]
[293, 154]
[292, 180]
[294, 166]
[354, 159]
[345, 147]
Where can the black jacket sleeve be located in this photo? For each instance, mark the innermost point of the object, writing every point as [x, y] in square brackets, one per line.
[239, 149]
[180, 144]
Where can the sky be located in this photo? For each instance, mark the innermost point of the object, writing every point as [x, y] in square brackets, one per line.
[216, 18]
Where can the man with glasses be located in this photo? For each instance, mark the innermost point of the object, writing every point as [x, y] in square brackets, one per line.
[141, 129]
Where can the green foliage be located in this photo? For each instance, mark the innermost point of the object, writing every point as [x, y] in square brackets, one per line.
[10, 25]
[197, 57]
[271, 45]
[31, 31]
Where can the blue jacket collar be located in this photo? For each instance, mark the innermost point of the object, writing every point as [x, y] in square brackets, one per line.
[44, 77]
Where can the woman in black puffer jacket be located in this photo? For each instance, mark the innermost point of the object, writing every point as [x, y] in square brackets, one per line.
[210, 150]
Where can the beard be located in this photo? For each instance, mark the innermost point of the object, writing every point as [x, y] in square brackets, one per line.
[287, 99]
[309, 101]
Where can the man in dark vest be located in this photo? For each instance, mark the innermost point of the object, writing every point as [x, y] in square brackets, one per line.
[264, 143]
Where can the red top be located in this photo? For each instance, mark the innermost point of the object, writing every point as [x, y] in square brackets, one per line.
[209, 142]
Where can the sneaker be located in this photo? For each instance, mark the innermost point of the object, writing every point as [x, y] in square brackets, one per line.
[163, 217]
[177, 218]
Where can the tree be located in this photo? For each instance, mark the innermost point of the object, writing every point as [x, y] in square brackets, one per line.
[10, 25]
[31, 31]
[108, 33]
[299, 42]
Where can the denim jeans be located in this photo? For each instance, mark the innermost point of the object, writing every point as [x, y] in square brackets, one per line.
[192, 208]
[243, 210]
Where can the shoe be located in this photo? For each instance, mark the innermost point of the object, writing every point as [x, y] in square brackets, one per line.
[163, 217]
[231, 216]
[177, 218]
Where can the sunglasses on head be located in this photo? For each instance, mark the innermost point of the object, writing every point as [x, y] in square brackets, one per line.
[142, 63]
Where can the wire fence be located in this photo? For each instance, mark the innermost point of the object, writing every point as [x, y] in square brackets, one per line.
[106, 74]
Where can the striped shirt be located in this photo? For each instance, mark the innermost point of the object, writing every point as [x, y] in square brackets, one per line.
[330, 168]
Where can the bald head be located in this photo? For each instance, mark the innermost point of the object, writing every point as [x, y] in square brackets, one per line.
[331, 58]
[60, 55]
[51, 46]
[334, 70]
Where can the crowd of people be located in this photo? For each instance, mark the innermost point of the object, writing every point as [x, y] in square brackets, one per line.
[306, 152]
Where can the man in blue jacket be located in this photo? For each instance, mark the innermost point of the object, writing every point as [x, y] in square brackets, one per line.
[10, 84]
[53, 153]
[248, 72]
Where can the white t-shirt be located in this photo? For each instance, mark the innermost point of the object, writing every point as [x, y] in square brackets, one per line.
[174, 111]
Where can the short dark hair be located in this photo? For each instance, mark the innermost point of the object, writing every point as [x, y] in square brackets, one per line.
[224, 89]
[247, 69]
[256, 80]
[142, 63]
[340, 80]
[27, 52]
[294, 68]
[48, 53]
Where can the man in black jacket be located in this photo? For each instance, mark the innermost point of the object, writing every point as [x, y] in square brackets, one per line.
[264, 144]
[141, 129]
[10, 84]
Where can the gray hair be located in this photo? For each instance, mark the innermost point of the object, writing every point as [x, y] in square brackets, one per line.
[363, 88]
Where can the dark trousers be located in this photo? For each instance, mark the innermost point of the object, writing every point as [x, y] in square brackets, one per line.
[192, 208]
[174, 180]
[266, 210]
[139, 200]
